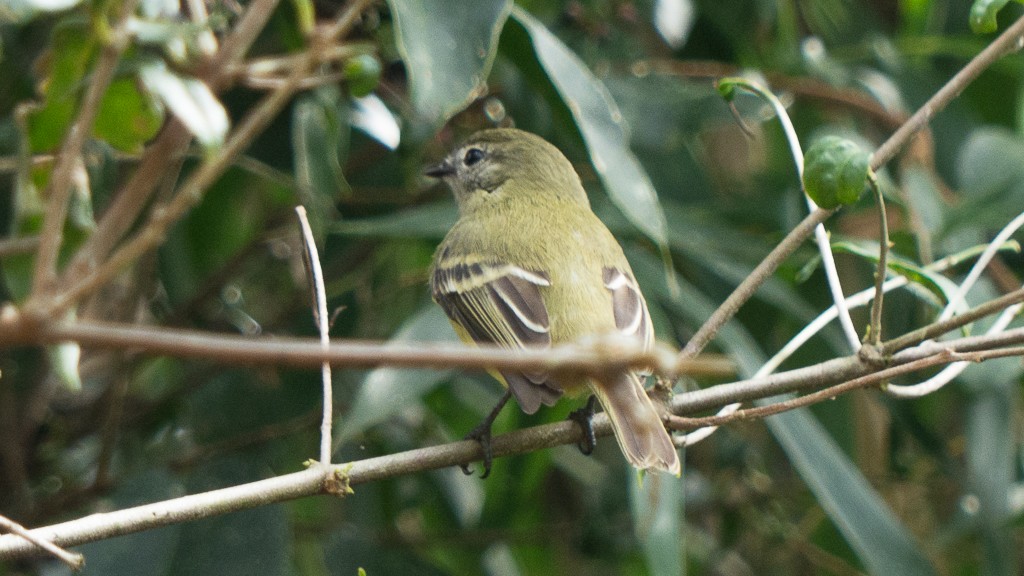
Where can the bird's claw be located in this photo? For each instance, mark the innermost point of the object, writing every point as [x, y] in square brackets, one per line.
[585, 418]
[482, 434]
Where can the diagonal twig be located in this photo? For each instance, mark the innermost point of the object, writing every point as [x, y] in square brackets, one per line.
[73, 559]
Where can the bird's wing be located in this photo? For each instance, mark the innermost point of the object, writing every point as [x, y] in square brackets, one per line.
[629, 306]
[500, 304]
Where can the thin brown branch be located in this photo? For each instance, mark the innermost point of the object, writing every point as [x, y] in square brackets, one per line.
[161, 155]
[234, 47]
[22, 245]
[597, 357]
[938, 328]
[830, 372]
[940, 357]
[874, 336]
[590, 359]
[1005, 43]
[751, 283]
[873, 379]
[58, 190]
[307, 83]
[130, 201]
[270, 72]
[72, 559]
[193, 189]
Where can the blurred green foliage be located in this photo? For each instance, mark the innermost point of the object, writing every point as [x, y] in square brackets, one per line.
[864, 484]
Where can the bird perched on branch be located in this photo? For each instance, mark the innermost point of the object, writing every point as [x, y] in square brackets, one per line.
[529, 265]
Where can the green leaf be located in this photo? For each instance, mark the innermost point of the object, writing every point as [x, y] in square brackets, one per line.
[600, 123]
[320, 133]
[989, 161]
[253, 541]
[47, 125]
[21, 11]
[448, 47]
[431, 221]
[836, 172]
[127, 118]
[924, 196]
[938, 285]
[991, 454]
[190, 100]
[72, 47]
[881, 542]
[983, 15]
[991, 177]
[658, 513]
[387, 391]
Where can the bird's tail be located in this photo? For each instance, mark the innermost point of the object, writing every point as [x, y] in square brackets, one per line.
[638, 427]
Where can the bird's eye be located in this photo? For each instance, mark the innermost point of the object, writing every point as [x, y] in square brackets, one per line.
[473, 155]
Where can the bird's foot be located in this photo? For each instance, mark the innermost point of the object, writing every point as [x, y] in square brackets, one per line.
[482, 434]
[585, 418]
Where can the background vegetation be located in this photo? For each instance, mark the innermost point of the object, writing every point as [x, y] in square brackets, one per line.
[863, 484]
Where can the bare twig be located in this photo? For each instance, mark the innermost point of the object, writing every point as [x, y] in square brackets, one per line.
[192, 190]
[1005, 43]
[947, 374]
[601, 355]
[324, 324]
[172, 142]
[591, 359]
[58, 190]
[22, 245]
[944, 356]
[874, 335]
[828, 262]
[234, 47]
[129, 202]
[941, 327]
[72, 559]
[751, 283]
[1008, 41]
[828, 373]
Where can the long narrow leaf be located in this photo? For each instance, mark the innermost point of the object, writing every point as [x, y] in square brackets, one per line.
[602, 127]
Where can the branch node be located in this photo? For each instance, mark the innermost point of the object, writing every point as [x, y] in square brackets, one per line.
[871, 355]
[337, 481]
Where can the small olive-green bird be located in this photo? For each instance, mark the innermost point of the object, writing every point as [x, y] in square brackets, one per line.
[529, 265]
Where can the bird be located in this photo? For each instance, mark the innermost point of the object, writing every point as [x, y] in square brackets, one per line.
[528, 264]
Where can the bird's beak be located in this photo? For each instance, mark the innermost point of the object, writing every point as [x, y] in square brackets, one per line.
[440, 170]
